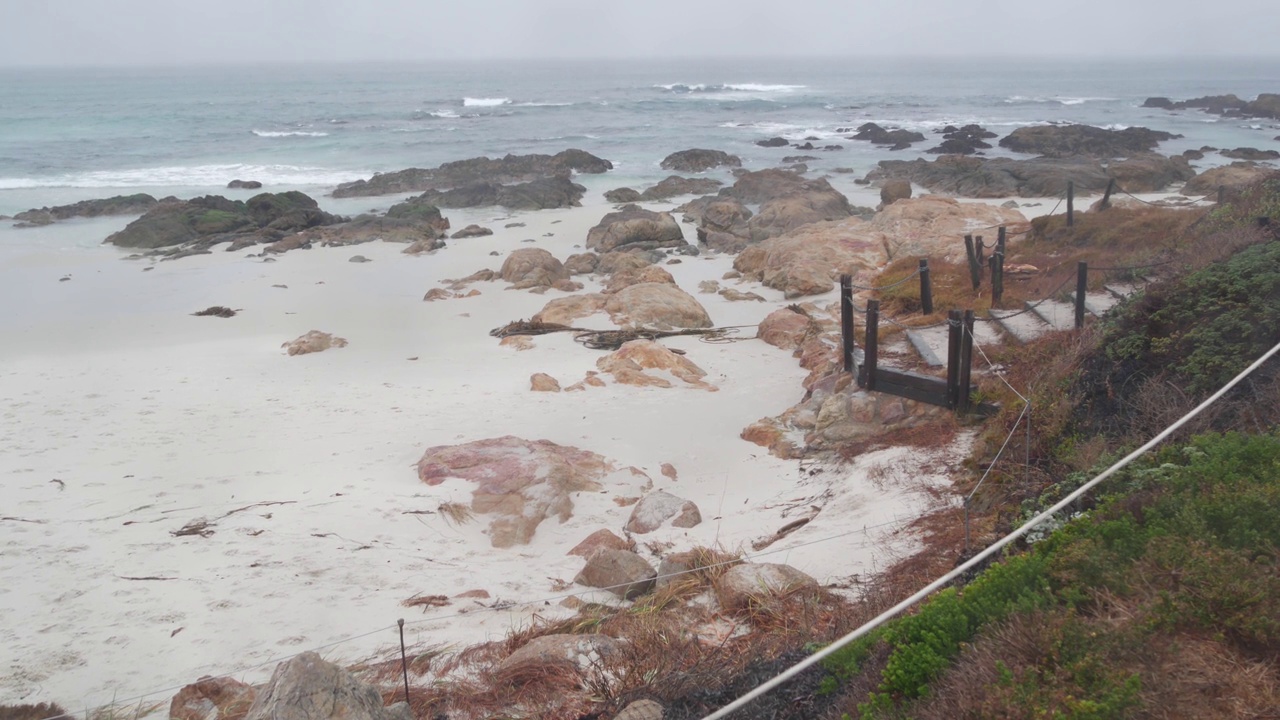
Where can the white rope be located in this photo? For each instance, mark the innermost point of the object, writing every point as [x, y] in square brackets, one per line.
[980, 557]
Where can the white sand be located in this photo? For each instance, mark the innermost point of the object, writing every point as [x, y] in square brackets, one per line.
[152, 418]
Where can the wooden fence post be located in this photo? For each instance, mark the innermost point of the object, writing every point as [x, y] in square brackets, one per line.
[980, 250]
[1082, 284]
[846, 321]
[966, 361]
[997, 278]
[1222, 193]
[926, 288]
[954, 331]
[1071, 203]
[1106, 196]
[1002, 237]
[872, 343]
[975, 274]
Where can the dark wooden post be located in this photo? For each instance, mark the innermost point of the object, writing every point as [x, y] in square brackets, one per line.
[1002, 237]
[926, 288]
[966, 361]
[997, 278]
[1222, 193]
[975, 274]
[1082, 284]
[1071, 203]
[980, 250]
[1106, 196]
[954, 330]
[846, 321]
[872, 343]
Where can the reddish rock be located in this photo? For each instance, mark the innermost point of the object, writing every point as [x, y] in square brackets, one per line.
[599, 540]
[313, 342]
[628, 363]
[212, 698]
[542, 382]
[634, 276]
[621, 572]
[783, 329]
[521, 482]
[531, 268]
[657, 305]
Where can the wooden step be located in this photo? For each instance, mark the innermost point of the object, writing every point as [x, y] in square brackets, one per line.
[1056, 314]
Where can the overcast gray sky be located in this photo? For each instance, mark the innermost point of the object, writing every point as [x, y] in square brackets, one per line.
[129, 32]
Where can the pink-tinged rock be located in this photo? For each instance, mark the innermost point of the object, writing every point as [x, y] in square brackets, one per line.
[658, 507]
[628, 363]
[520, 482]
[212, 698]
[754, 583]
[437, 294]
[567, 310]
[668, 470]
[599, 540]
[612, 262]
[634, 276]
[657, 305]
[542, 382]
[518, 342]
[783, 329]
[313, 342]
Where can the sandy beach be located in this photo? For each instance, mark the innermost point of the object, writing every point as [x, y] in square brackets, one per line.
[123, 418]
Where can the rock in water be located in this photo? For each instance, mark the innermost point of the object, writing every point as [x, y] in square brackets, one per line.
[309, 688]
[508, 170]
[698, 160]
[244, 185]
[1062, 141]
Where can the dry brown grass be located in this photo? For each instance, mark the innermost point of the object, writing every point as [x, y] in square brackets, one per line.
[456, 513]
[38, 711]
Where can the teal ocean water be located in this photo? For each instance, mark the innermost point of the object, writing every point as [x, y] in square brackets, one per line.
[69, 134]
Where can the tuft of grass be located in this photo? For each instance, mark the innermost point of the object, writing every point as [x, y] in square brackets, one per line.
[456, 513]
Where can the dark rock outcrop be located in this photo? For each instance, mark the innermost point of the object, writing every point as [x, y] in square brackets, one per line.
[508, 170]
[773, 142]
[244, 185]
[212, 219]
[675, 185]
[118, 205]
[1061, 141]
[1232, 178]
[1248, 153]
[422, 212]
[471, 231]
[965, 140]
[997, 177]
[622, 195]
[897, 139]
[699, 160]
[557, 191]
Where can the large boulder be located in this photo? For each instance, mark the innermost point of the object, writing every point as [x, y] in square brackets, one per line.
[520, 482]
[722, 225]
[808, 260]
[471, 231]
[118, 205]
[634, 228]
[656, 508]
[698, 160]
[420, 211]
[675, 185]
[508, 170]
[743, 586]
[287, 211]
[621, 572]
[205, 221]
[634, 276]
[764, 185]
[965, 140]
[784, 328]
[1232, 178]
[894, 190]
[1067, 140]
[532, 268]
[307, 687]
[657, 305]
[622, 195]
[814, 201]
[617, 261]
[565, 310]
[211, 698]
[1248, 153]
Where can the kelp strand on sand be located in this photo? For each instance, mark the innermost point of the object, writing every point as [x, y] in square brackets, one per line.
[611, 339]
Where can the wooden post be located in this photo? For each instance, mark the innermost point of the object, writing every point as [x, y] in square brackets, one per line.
[980, 250]
[997, 278]
[1082, 284]
[1002, 236]
[954, 330]
[966, 361]
[1071, 203]
[846, 321]
[872, 343]
[1106, 196]
[926, 288]
[975, 274]
[1222, 194]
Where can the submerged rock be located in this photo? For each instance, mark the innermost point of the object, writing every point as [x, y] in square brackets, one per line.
[698, 160]
[1060, 141]
[508, 170]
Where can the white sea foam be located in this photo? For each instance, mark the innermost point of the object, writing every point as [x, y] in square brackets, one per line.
[188, 176]
[442, 114]
[1059, 99]
[737, 87]
[485, 102]
[543, 104]
[288, 133]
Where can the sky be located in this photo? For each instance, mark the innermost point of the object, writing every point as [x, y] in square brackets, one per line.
[183, 32]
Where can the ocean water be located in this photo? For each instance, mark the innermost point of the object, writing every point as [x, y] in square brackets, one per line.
[70, 134]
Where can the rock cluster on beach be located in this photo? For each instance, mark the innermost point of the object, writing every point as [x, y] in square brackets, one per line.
[1266, 105]
[1038, 177]
[212, 219]
[118, 205]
